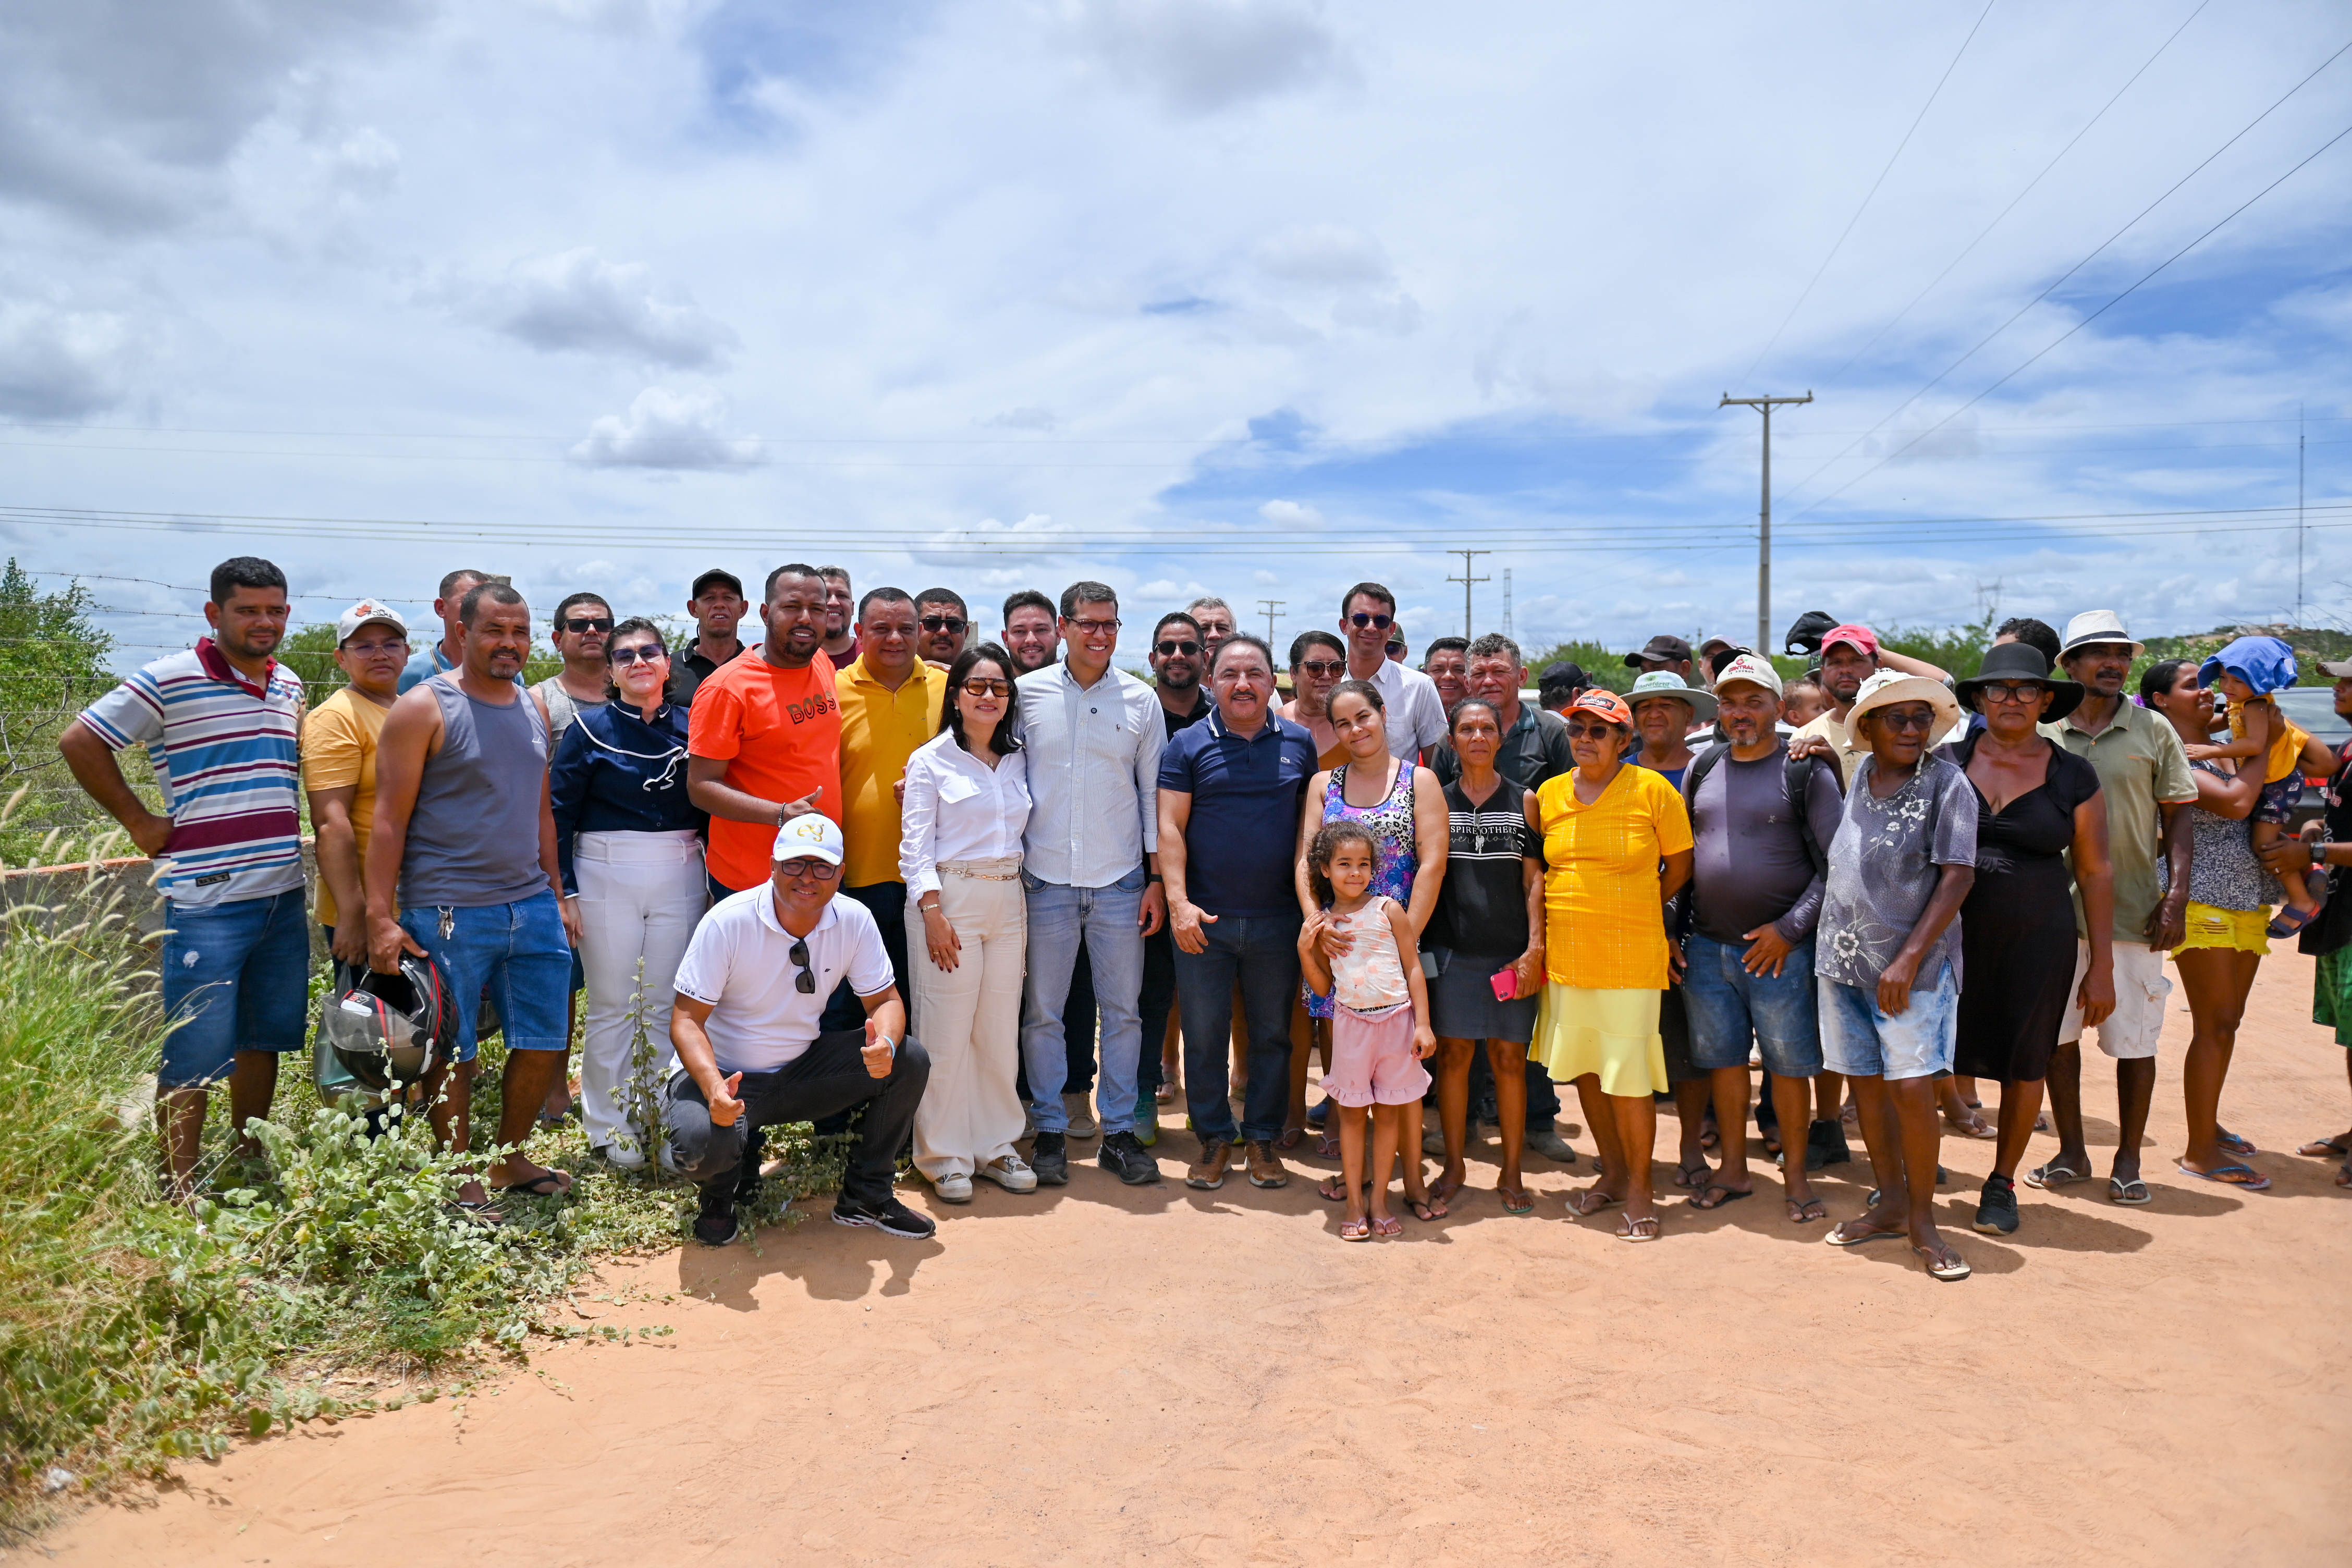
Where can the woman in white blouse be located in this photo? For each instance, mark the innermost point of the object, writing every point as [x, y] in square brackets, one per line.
[966, 807]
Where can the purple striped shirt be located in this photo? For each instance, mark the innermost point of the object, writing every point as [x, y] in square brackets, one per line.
[227, 752]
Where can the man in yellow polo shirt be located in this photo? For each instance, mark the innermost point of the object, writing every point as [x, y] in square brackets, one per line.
[889, 705]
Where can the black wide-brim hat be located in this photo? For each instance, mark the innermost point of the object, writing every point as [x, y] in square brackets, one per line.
[2021, 661]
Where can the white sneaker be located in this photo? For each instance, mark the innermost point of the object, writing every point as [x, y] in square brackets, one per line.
[622, 1154]
[954, 1187]
[1080, 1110]
[1009, 1172]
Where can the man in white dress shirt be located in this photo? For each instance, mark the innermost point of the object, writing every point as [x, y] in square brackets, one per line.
[749, 992]
[1091, 869]
[1416, 715]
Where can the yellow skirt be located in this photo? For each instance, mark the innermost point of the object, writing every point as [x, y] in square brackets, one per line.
[2239, 931]
[1613, 1033]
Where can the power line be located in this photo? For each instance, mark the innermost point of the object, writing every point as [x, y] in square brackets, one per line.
[2054, 287]
[2085, 321]
[1969, 248]
[1770, 342]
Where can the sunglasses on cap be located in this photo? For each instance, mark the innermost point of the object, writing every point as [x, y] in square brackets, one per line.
[1365, 618]
[944, 623]
[1394, 646]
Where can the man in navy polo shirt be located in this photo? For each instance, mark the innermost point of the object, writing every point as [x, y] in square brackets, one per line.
[1230, 790]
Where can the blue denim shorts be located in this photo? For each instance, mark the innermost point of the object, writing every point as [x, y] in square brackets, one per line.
[236, 977]
[1727, 1005]
[1859, 1041]
[516, 953]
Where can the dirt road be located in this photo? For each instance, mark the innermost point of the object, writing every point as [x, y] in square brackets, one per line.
[1098, 1374]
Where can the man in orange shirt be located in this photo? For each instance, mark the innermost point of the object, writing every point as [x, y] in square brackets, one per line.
[765, 742]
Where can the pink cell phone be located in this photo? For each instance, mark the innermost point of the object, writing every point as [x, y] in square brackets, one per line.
[1506, 982]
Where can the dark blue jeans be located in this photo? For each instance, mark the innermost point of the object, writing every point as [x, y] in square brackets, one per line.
[828, 1080]
[1261, 954]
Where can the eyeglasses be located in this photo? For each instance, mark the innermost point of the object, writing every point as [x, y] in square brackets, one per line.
[1169, 648]
[944, 623]
[805, 981]
[1394, 648]
[363, 650]
[625, 657]
[979, 687]
[2025, 691]
[1090, 625]
[588, 624]
[1895, 721]
[1322, 668]
[810, 867]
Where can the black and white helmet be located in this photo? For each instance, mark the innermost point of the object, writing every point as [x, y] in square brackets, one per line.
[392, 1027]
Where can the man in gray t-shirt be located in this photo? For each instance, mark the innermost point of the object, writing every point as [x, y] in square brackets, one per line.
[1755, 894]
[1888, 960]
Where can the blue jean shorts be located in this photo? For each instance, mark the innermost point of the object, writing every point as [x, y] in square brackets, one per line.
[236, 977]
[516, 953]
[1727, 1007]
[1861, 1041]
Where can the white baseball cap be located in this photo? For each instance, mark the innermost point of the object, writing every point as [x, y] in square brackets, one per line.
[813, 835]
[368, 612]
[1752, 669]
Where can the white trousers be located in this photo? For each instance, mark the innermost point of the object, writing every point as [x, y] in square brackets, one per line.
[640, 896]
[971, 1019]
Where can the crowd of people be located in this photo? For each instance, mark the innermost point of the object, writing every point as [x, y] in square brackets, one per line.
[973, 901]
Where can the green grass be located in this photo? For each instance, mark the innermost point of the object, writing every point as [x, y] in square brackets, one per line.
[134, 1331]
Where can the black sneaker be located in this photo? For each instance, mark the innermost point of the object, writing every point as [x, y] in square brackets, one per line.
[1997, 1206]
[1124, 1156]
[715, 1226]
[890, 1217]
[1049, 1157]
[1825, 1144]
[748, 1185]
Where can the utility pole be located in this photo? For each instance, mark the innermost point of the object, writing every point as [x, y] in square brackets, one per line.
[1506, 604]
[1272, 608]
[1465, 580]
[2298, 514]
[1764, 405]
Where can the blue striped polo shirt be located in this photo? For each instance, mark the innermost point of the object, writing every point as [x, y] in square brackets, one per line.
[227, 753]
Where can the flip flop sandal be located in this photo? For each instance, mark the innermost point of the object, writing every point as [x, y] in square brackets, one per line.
[2327, 1149]
[1291, 1138]
[1388, 1225]
[1579, 1209]
[2221, 1176]
[1355, 1230]
[2241, 1147]
[480, 1212]
[1950, 1268]
[1798, 1214]
[1327, 1147]
[1684, 1177]
[546, 1184]
[1424, 1210]
[1837, 1235]
[2054, 1175]
[2120, 1191]
[1632, 1230]
[1517, 1200]
[1730, 1196]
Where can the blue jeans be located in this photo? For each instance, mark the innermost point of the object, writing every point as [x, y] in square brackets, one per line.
[1261, 954]
[1726, 1005]
[516, 953]
[1104, 919]
[236, 977]
[1860, 1041]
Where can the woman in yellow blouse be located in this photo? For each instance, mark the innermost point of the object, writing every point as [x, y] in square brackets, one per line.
[1617, 846]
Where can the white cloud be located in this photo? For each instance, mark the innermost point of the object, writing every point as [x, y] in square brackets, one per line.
[667, 429]
[1291, 514]
[1198, 57]
[58, 363]
[576, 301]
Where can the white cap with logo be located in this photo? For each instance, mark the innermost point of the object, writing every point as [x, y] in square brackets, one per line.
[1752, 669]
[811, 835]
[368, 612]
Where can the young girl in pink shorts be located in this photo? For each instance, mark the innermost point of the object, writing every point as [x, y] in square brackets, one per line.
[1372, 970]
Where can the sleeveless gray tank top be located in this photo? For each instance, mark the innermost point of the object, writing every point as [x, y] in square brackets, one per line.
[473, 837]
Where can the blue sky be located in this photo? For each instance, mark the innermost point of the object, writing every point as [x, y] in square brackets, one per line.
[1250, 297]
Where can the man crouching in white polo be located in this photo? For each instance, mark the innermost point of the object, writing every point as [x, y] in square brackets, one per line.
[750, 991]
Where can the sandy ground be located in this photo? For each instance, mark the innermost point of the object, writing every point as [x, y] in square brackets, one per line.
[1099, 1372]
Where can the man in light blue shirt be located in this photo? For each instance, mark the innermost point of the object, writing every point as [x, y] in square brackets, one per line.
[1090, 869]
